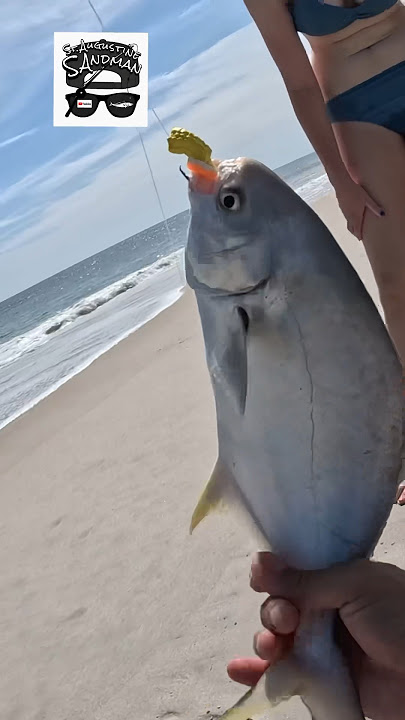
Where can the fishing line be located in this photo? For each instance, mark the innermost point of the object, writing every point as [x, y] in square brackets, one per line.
[154, 183]
[160, 122]
[165, 220]
[97, 15]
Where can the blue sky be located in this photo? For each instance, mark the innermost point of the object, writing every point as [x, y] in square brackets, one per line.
[66, 193]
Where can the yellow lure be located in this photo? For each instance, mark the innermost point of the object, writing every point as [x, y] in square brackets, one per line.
[184, 142]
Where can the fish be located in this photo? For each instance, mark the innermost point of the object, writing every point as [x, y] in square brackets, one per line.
[308, 401]
[121, 103]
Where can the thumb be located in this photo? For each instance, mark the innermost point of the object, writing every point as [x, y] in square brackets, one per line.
[328, 589]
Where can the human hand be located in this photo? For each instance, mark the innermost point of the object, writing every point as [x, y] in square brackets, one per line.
[370, 599]
[353, 201]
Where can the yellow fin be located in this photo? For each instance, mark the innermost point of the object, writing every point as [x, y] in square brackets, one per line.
[213, 497]
[252, 704]
[183, 142]
[277, 685]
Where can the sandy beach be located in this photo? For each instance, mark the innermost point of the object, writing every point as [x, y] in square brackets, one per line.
[109, 610]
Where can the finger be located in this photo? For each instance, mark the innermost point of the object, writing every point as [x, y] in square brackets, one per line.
[263, 564]
[247, 671]
[272, 647]
[279, 616]
[374, 207]
[352, 229]
[361, 224]
[355, 228]
[327, 589]
[401, 495]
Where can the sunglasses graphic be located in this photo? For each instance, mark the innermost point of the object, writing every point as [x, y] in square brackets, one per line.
[84, 104]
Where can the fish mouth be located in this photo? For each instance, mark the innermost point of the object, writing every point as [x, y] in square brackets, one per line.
[188, 178]
[202, 186]
[203, 179]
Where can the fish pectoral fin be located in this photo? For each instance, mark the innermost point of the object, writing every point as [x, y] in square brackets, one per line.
[230, 367]
[216, 495]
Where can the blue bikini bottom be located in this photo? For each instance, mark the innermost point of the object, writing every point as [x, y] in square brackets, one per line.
[379, 100]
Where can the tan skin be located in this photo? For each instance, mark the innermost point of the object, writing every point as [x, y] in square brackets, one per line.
[369, 598]
[365, 163]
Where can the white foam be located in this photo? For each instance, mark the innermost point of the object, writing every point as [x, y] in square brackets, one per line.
[166, 301]
[25, 344]
[314, 189]
[18, 346]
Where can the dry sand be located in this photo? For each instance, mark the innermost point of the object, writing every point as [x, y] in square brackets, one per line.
[109, 610]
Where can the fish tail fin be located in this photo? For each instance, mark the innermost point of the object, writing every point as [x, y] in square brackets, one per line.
[251, 705]
[331, 697]
[277, 685]
[325, 697]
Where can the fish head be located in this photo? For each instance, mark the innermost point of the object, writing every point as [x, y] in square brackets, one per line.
[236, 219]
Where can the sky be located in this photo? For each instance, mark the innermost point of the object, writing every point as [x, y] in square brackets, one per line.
[66, 193]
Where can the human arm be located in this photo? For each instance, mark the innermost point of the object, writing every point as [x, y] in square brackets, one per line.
[284, 45]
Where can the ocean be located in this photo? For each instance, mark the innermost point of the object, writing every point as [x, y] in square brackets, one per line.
[55, 329]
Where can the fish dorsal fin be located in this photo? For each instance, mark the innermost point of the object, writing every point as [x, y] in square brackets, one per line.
[216, 496]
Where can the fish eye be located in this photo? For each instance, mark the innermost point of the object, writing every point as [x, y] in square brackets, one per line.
[230, 200]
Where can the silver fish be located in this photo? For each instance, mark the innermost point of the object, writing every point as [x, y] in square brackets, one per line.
[308, 398]
[122, 103]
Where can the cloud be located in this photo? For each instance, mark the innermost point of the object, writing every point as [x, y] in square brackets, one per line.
[70, 171]
[26, 41]
[35, 180]
[193, 9]
[91, 197]
[16, 138]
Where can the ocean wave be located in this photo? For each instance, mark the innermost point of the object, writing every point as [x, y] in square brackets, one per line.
[27, 343]
[166, 300]
[313, 189]
[22, 344]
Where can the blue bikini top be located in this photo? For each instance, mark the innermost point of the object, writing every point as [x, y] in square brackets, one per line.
[317, 17]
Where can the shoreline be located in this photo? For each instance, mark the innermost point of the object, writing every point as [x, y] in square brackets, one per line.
[325, 206]
[80, 368]
[158, 303]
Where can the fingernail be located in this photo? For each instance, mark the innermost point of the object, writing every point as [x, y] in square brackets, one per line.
[269, 614]
[279, 616]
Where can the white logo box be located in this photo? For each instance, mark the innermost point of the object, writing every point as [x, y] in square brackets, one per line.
[115, 64]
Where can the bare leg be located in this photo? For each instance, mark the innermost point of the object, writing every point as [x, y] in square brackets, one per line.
[376, 158]
[401, 495]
